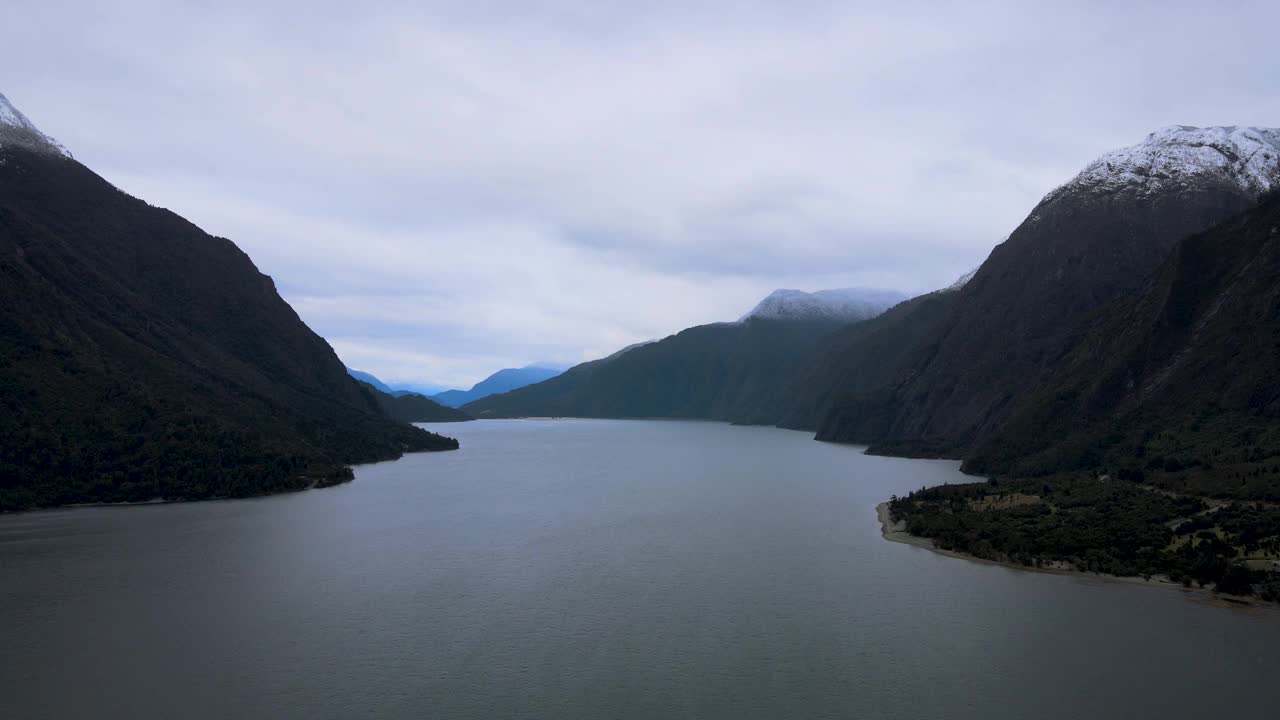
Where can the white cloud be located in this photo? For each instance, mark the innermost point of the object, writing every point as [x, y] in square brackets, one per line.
[441, 189]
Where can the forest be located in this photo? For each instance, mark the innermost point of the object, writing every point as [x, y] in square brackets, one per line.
[1123, 526]
[143, 359]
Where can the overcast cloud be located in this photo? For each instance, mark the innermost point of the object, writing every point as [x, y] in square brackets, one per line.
[444, 189]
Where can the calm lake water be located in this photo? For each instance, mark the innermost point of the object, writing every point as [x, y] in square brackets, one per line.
[590, 569]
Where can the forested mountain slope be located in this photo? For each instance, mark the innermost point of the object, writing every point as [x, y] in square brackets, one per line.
[714, 372]
[1085, 245]
[141, 358]
[1181, 377]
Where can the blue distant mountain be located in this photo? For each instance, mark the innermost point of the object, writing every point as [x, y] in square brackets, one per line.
[408, 388]
[396, 389]
[504, 380]
[366, 377]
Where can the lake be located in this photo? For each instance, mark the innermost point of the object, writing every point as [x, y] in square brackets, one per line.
[590, 569]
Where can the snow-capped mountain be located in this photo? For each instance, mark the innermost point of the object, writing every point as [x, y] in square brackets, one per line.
[1241, 158]
[845, 304]
[17, 130]
[1088, 244]
[960, 281]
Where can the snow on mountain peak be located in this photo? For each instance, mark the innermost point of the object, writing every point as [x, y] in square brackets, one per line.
[845, 304]
[961, 281]
[1246, 157]
[17, 130]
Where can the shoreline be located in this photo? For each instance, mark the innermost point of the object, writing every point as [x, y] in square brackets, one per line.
[896, 532]
[315, 484]
[174, 501]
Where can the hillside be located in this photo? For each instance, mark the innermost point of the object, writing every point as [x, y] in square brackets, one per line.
[504, 380]
[369, 379]
[143, 358]
[854, 361]
[415, 408]
[1152, 447]
[1180, 381]
[708, 372]
[722, 371]
[1085, 245]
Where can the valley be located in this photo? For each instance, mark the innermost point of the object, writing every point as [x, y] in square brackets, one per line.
[581, 360]
[1127, 329]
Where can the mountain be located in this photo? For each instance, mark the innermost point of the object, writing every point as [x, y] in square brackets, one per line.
[369, 379]
[502, 381]
[16, 131]
[397, 389]
[1153, 445]
[1085, 245]
[703, 372]
[1181, 378]
[844, 305]
[718, 371]
[141, 358]
[853, 362]
[409, 388]
[414, 408]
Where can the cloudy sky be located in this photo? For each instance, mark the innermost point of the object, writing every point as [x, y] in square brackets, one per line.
[442, 189]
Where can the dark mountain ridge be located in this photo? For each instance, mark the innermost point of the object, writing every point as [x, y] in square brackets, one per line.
[1153, 446]
[369, 379]
[721, 371]
[141, 358]
[853, 361]
[1086, 244]
[706, 372]
[1183, 373]
[415, 408]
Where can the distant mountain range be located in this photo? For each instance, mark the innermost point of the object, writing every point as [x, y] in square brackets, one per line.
[972, 370]
[712, 371]
[414, 408]
[369, 379]
[1128, 327]
[502, 381]
[395, 388]
[424, 389]
[143, 358]
[1113, 368]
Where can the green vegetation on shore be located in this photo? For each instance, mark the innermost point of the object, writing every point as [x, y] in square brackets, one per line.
[1124, 527]
[1171, 394]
